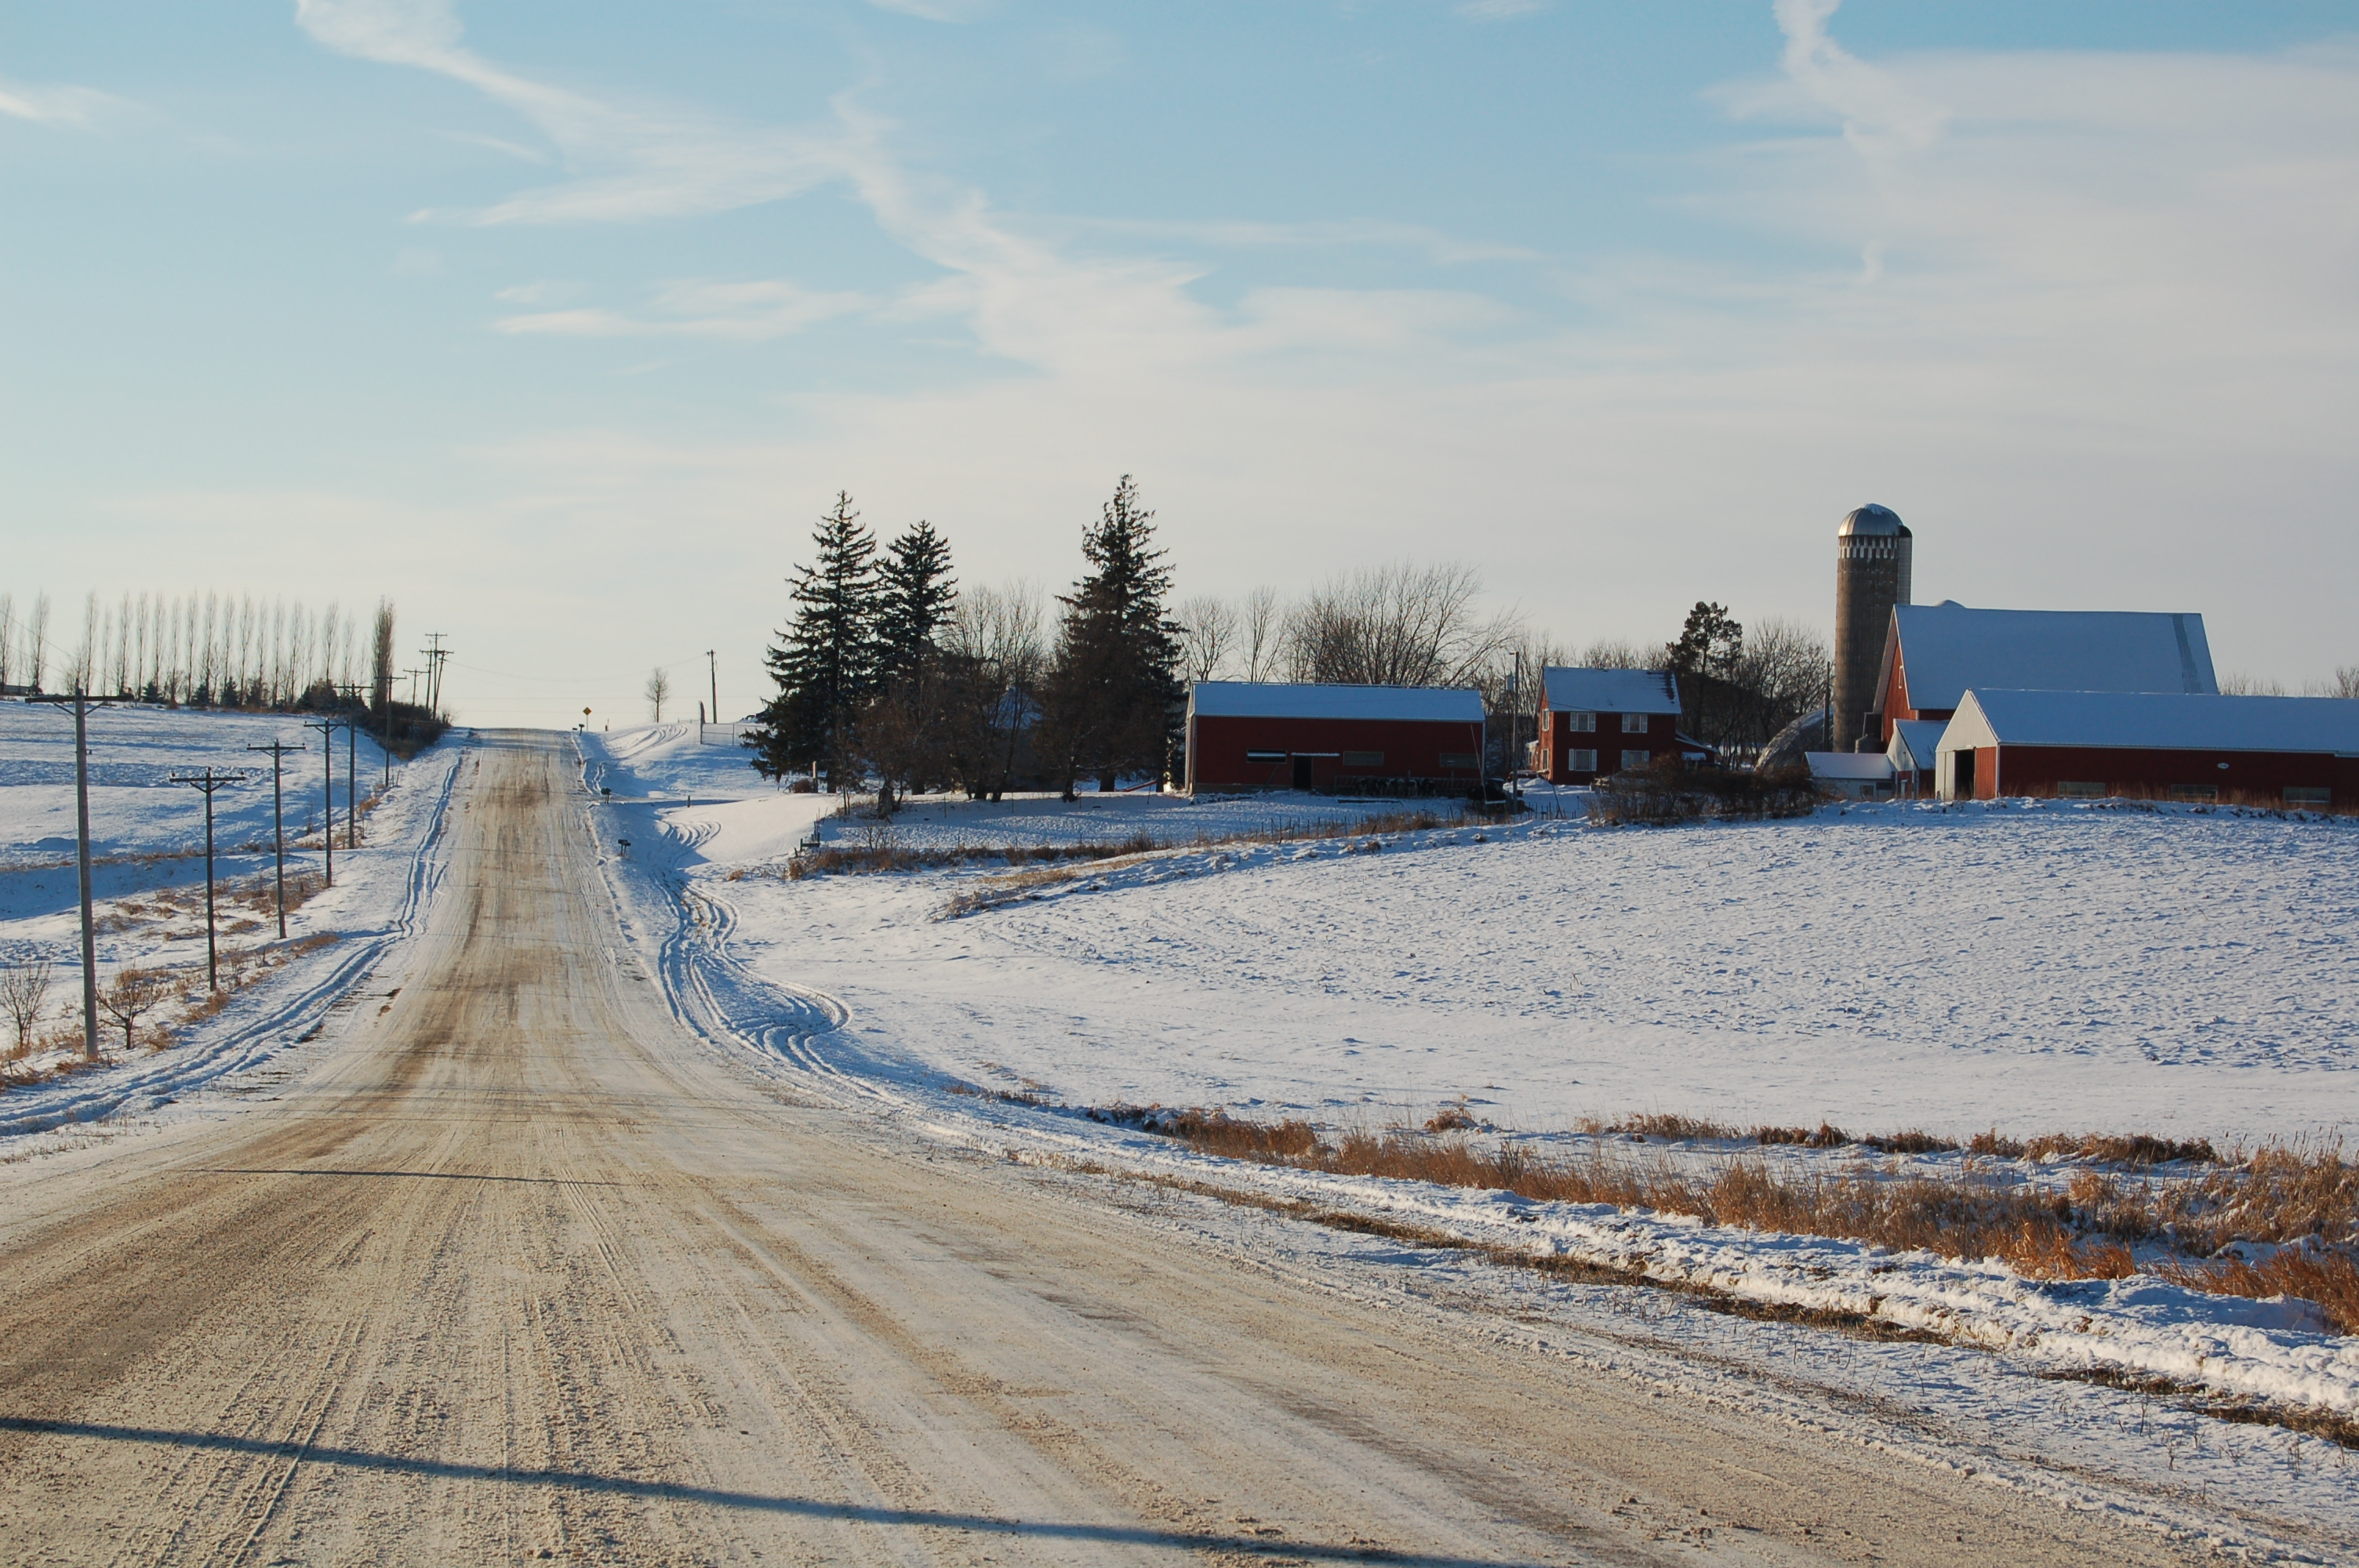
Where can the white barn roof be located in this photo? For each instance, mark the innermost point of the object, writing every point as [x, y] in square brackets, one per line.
[1265, 699]
[1567, 690]
[1869, 767]
[1947, 648]
[2155, 720]
[1914, 741]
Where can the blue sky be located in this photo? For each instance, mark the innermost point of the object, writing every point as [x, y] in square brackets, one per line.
[560, 323]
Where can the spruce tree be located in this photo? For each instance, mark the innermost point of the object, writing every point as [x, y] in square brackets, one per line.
[914, 593]
[1114, 697]
[825, 662]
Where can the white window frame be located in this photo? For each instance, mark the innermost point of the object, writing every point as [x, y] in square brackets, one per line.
[1580, 759]
[1636, 757]
[1583, 722]
[1637, 723]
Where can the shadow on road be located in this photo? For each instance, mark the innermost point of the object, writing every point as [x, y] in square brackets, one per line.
[711, 1496]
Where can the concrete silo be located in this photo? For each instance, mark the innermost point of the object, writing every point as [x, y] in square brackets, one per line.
[1872, 560]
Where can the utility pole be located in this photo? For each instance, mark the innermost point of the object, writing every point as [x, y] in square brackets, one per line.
[81, 705]
[712, 668]
[278, 750]
[210, 781]
[352, 795]
[435, 653]
[327, 729]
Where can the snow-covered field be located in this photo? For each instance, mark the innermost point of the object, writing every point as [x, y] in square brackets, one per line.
[147, 843]
[2032, 968]
[2029, 967]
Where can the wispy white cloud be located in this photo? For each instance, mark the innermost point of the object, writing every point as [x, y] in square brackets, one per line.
[59, 105]
[2041, 288]
[742, 312]
[1497, 10]
[1243, 234]
[1881, 112]
[938, 10]
[633, 162]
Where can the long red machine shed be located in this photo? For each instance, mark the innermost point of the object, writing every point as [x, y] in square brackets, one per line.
[1252, 735]
[2258, 750]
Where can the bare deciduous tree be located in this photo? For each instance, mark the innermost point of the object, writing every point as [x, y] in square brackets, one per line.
[24, 992]
[2346, 683]
[133, 994]
[1398, 625]
[37, 642]
[996, 654]
[2236, 683]
[1208, 636]
[659, 691]
[1621, 653]
[1261, 628]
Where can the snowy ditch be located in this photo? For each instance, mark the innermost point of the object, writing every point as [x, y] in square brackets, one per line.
[859, 987]
[148, 841]
[908, 993]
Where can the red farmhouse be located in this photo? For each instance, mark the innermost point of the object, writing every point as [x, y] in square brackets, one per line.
[1371, 739]
[1932, 653]
[1594, 723]
[2255, 751]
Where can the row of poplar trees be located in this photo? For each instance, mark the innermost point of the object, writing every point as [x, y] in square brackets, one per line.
[872, 681]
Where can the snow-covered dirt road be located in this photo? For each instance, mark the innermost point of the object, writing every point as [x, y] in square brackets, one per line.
[524, 1271]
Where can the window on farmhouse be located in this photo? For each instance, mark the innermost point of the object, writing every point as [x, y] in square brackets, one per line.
[1581, 760]
[1583, 723]
[1363, 759]
[1635, 723]
[1461, 760]
[2309, 795]
[1637, 757]
[2079, 789]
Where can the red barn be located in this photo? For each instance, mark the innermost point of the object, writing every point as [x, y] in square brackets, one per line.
[2253, 751]
[1595, 723]
[1252, 735]
[1932, 653]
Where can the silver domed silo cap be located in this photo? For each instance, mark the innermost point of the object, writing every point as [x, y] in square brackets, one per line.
[1873, 520]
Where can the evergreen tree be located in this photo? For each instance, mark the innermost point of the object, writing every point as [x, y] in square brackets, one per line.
[1115, 696]
[915, 590]
[1705, 659]
[825, 662]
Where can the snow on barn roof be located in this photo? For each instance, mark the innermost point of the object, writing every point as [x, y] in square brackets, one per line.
[2200, 722]
[1914, 741]
[1265, 699]
[1567, 690]
[1946, 648]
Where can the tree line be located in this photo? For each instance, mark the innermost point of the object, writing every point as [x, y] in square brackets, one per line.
[209, 650]
[890, 668]
[887, 668]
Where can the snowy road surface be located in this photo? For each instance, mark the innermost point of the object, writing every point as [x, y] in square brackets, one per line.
[523, 1271]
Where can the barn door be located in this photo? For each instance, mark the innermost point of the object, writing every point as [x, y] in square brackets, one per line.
[1302, 773]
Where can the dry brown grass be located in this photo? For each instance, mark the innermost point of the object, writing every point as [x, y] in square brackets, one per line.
[882, 856]
[2282, 1194]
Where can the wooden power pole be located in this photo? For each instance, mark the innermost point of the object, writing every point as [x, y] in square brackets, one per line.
[81, 704]
[278, 750]
[210, 781]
